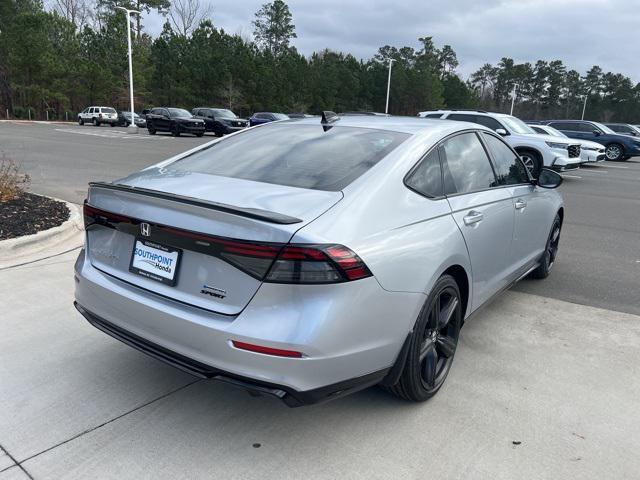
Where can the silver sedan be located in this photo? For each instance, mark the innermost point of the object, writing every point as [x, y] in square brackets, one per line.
[308, 259]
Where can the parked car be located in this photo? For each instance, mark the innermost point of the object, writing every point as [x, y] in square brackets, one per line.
[174, 120]
[220, 121]
[98, 115]
[624, 129]
[309, 259]
[124, 119]
[536, 150]
[617, 147]
[590, 152]
[265, 117]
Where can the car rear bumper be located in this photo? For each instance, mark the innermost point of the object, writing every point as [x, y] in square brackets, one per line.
[350, 334]
[289, 396]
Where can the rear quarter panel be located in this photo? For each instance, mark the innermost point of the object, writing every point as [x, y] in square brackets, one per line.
[405, 239]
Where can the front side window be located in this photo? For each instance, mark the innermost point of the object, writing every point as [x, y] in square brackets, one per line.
[509, 168]
[426, 179]
[489, 122]
[179, 112]
[223, 113]
[602, 128]
[304, 156]
[465, 164]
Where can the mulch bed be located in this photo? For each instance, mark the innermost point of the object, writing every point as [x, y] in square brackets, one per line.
[29, 213]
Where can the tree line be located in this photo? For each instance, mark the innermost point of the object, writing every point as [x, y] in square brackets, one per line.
[67, 54]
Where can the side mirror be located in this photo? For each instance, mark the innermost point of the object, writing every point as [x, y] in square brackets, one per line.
[596, 133]
[548, 179]
[502, 132]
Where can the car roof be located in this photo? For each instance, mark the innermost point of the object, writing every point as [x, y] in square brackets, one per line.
[410, 125]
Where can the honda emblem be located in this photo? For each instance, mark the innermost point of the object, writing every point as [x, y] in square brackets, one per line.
[145, 229]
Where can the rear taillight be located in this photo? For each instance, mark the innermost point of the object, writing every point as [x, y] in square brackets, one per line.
[317, 264]
[269, 262]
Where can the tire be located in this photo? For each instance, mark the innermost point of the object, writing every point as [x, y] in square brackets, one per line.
[174, 131]
[80, 121]
[199, 134]
[550, 251]
[112, 124]
[614, 152]
[151, 131]
[96, 123]
[532, 161]
[432, 347]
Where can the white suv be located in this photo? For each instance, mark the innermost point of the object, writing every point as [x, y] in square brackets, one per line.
[98, 116]
[535, 150]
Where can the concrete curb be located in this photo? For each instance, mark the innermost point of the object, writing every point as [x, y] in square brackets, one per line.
[52, 241]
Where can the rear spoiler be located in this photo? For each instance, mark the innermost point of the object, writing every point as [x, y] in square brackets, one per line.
[255, 213]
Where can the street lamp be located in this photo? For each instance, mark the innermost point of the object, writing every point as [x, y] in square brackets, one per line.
[584, 105]
[132, 128]
[513, 97]
[386, 109]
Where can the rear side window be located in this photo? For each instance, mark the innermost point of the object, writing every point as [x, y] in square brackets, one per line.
[304, 156]
[426, 178]
[509, 168]
[566, 126]
[433, 115]
[463, 117]
[465, 165]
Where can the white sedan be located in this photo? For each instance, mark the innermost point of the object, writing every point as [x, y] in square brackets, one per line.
[590, 152]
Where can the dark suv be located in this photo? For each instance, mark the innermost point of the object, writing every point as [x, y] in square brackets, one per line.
[617, 146]
[220, 121]
[174, 120]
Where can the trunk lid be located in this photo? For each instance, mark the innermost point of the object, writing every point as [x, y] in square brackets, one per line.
[179, 207]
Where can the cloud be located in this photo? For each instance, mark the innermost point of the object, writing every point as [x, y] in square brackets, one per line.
[581, 33]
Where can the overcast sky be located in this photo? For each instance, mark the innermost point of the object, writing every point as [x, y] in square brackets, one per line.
[579, 32]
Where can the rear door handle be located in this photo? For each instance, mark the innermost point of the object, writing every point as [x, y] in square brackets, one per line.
[520, 204]
[472, 218]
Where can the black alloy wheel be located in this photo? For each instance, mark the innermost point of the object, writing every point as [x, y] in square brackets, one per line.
[433, 343]
[550, 252]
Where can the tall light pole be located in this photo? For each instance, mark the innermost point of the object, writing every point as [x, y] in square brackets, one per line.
[132, 128]
[386, 109]
[584, 105]
[513, 97]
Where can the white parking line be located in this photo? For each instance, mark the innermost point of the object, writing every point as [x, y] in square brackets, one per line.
[571, 176]
[615, 166]
[106, 134]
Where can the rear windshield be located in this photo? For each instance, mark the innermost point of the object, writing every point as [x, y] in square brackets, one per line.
[303, 156]
[108, 110]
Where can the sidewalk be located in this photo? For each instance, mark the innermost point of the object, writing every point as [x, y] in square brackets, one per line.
[560, 378]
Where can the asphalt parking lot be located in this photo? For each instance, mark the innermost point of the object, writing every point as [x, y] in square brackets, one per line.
[544, 384]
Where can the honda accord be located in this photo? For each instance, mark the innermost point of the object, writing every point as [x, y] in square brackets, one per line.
[308, 259]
